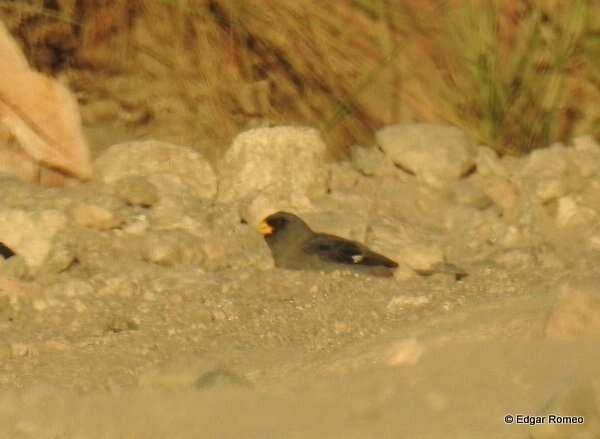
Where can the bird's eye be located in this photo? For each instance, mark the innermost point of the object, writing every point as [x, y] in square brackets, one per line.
[279, 223]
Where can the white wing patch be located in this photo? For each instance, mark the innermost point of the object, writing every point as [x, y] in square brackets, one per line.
[357, 258]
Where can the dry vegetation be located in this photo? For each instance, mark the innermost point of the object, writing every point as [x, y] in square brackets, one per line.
[517, 74]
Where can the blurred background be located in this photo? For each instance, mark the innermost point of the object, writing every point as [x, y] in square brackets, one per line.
[516, 74]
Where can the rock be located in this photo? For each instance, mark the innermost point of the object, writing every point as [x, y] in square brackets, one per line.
[31, 234]
[544, 170]
[170, 168]
[172, 247]
[95, 216]
[366, 160]
[488, 163]
[401, 303]
[550, 173]
[40, 125]
[436, 154]
[501, 191]
[270, 169]
[570, 213]
[343, 177]
[406, 352]
[576, 312]
[466, 193]
[22, 350]
[136, 190]
[405, 244]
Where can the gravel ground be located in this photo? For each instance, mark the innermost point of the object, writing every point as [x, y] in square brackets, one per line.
[143, 305]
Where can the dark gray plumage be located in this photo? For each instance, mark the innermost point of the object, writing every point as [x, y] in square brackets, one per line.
[295, 246]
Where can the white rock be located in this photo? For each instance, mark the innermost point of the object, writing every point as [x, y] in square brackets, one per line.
[97, 217]
[31, 234]
[268, 169]
[570, 213]
[503, 192]
[437, 154]
[544, 173]
[468, 194]
[488, 163]
[405, 244]
[172, 247]
[171, 168]
[365, 160]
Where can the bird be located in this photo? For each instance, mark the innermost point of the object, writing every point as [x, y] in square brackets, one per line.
[295, 246]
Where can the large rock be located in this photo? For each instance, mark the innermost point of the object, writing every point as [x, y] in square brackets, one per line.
[171, 168]
[436, 154]
[548, 174]
[40, 125]
[270, 169]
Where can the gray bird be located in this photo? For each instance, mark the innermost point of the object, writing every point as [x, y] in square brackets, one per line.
[296, 247]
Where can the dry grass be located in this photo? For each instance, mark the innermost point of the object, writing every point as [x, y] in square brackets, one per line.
[517, 74]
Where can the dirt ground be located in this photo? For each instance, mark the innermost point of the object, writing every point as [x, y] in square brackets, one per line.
[286, 354]
[111, 346]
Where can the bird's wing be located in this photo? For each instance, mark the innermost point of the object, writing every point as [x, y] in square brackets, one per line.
[343, 251]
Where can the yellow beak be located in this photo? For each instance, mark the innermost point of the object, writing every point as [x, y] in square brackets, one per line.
[264, 228]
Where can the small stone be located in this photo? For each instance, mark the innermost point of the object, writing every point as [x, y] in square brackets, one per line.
[219, 316]
[400, 303]
[136, 190]
[21, 350]
[172, 247]
[138, 226]
[120, 324]
[366, 160]
[96, 217]
[576, 312]
[405, 353]
[570, 213]
[467, 194]
[501, 191]
[424, 258]
[31, 234]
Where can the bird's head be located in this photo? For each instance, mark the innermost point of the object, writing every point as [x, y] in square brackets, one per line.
[282, 224]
